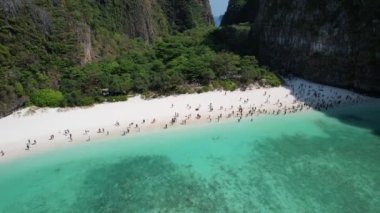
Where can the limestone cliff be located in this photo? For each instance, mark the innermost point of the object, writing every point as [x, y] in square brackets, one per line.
[335, 42]
[40, 38]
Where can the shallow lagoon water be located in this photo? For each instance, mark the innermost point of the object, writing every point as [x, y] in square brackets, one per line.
[307, 162]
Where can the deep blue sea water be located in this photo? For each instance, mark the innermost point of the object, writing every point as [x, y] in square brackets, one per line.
[306, 162]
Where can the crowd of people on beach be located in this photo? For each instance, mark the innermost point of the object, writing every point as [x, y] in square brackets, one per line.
[301, 97]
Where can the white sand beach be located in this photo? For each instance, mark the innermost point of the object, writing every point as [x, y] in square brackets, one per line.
[39, 124]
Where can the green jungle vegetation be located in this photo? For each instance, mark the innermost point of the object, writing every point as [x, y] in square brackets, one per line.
[181, 63]
[185, 62]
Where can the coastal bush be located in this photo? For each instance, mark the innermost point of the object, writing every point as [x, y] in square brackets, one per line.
[47, 98]
[117, 98]
[228, 85]
[271, 79]
[86, 101]
[205, 89]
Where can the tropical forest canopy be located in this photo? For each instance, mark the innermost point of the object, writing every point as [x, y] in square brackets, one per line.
[180, 63]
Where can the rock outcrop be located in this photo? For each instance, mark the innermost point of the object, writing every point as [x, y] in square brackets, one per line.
[335, 42]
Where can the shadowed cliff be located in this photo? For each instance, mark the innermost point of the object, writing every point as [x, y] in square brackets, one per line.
[331, 42]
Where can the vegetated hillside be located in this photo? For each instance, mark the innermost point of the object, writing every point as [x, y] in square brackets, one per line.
[180, 63]
[41, 39]
[335, 42]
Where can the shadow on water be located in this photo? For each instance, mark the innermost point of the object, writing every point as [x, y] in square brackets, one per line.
[371, 123]
[363, 114]
[368, 119]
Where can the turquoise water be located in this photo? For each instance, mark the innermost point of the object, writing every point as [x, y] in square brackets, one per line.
[308, 162]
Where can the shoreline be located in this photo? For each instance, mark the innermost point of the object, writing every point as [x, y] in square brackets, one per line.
[116, 119]
[62, 145]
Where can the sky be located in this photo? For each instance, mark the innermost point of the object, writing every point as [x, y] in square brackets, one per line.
[219, 7]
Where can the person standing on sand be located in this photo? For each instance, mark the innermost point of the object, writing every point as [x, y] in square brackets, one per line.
[27, 147]
[2, 153]
[34, 142]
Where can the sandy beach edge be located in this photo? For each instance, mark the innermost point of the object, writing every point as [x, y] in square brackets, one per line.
[111, 120]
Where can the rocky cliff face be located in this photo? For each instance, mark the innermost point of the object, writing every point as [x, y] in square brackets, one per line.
[334, 42]
[89, 21]
[40, 38]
